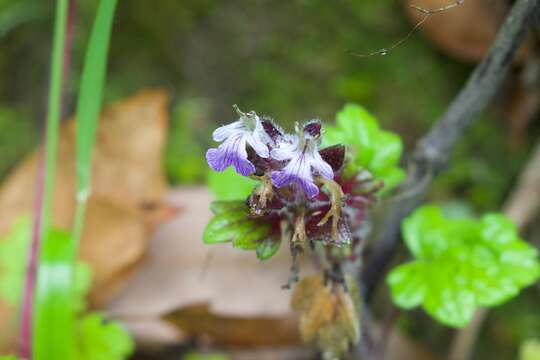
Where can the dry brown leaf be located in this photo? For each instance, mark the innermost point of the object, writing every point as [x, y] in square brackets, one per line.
[116, 236]
[466, 31]
[128, 187]
[235, 331]
[328, 316]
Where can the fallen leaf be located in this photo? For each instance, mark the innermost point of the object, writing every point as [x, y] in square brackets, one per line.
[235, 331]
[328, 315]
[180, 270]
[128, 185]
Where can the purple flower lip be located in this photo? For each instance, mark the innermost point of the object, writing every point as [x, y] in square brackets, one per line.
[304, 160]
[248, 130]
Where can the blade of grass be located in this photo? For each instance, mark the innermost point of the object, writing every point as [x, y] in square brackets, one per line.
[46, 175]
[88, 106]
[54, 335]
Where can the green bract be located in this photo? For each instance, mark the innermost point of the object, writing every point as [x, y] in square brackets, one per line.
[373, 149]
[228, 185]
[231, 223]
[461, 264]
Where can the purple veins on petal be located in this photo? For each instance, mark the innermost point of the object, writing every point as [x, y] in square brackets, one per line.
[232, 152]
[234, 137]
[304, 162]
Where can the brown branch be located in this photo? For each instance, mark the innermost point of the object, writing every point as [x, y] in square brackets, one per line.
[433, 150]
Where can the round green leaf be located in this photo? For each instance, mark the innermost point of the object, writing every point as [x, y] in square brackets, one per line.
[460, 264]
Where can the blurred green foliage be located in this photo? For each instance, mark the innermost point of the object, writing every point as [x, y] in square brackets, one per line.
[184, 155]
[229, 185]
[370, 147]
[13, 261]
[101, 339]
[289, 60]
[530, 350]
[97, 338]
[17, 136]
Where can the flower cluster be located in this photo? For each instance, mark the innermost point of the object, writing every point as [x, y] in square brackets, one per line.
[252, 141]
[293, 170]
[313, 199]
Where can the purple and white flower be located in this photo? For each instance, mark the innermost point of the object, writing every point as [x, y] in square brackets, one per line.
[302, 152]
[248, 130]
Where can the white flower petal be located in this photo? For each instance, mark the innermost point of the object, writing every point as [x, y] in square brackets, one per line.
[321, 166]
[286, 149]
[223, 132]
[258, 144]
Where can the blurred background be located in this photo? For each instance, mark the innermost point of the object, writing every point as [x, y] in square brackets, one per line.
[291, 60]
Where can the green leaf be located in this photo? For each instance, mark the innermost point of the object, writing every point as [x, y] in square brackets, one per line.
[90, 92]
[529, 350]
[232, 223]
[101, 339]
[9, 357]
[229, 185]
[387, 151]
[268, 248]
[83, 281]
[461, 264]
[408, 284]
[373, 149]
[54, 319]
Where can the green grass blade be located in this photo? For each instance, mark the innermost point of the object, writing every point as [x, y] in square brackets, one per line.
[32, 310]
[54, 331]
[88, 106]
[90, 94]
